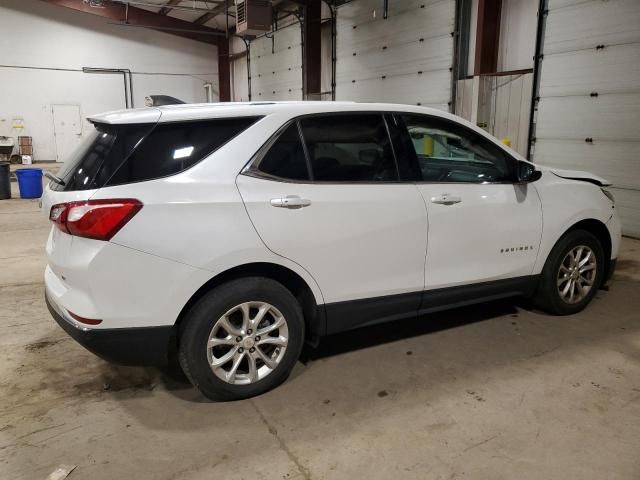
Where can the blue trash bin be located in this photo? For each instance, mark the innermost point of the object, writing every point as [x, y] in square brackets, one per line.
[30, 182]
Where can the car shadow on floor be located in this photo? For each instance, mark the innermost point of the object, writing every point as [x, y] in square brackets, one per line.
[388, 332]
[175, 380]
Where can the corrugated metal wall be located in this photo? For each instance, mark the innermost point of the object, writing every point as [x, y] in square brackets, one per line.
[405, 58]
[276, 65]
[589, 111]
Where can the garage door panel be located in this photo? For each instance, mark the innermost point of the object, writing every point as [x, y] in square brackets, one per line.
[410, 59]
[586, 71]
[618, 162]
[587, 24]
[406, 58]
[361, 11]
[573, 71]
[409, 26]
[276, 65]
[607, 117]
[426, 89]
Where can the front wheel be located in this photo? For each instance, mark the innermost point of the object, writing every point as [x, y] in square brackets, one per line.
[242, 339]
[572, 274]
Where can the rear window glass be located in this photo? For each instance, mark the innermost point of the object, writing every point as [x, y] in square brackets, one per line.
[119, 154]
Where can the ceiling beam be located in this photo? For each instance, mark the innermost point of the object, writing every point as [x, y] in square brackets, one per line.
[164, 10]
[215, 11]
[144, 18]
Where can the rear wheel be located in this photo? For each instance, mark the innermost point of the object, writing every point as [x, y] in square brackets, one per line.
[572, 274]
[242, 339]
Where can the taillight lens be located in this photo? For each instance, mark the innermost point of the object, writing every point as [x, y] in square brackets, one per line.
[97, 219]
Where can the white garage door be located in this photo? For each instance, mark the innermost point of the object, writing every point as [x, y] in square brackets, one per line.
[276, 65]
[405, 58]
[589, 109]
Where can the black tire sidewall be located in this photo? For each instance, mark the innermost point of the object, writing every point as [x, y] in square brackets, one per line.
[203, 315]
[548, 294]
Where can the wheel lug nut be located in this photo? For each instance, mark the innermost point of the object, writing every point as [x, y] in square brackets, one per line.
[249, 332]
[252, 350]
[238, 339]
[257, 338]
[240, 350]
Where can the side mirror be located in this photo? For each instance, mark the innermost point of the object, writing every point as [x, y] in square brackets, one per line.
[525, 172]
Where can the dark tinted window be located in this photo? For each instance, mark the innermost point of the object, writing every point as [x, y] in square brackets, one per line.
[285, 158]
[99, 155]
[173, 147]
[118, 154]
[349, 148]
[449, 152]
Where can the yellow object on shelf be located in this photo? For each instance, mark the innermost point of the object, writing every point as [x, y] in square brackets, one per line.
[506, 141]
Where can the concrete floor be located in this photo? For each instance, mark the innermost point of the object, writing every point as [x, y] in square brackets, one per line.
[489, 392]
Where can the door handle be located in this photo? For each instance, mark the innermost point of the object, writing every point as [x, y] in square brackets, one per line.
[290, 201]
[446, 199]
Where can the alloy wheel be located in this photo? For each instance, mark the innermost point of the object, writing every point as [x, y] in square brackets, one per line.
[247, 343]
[577, 274]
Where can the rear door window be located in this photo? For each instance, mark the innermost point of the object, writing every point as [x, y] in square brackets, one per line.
[120, 154]
[349, 148]
[285, 159]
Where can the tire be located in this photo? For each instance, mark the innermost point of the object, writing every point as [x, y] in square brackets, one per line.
[201, 363]
[553, 282]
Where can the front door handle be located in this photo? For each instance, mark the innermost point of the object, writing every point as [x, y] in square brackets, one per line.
[290, 201]
[446, 199]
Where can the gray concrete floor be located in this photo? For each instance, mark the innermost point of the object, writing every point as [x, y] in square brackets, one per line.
[489, 392]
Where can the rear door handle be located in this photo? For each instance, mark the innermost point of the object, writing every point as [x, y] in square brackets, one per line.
[290, 201]
[446, 199]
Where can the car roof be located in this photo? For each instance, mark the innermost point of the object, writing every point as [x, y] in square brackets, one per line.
[201, 111]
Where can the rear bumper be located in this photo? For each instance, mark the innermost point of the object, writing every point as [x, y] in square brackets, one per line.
[125, 346]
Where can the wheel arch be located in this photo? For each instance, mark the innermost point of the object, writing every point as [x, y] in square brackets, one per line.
[601, 232]
[314, 316]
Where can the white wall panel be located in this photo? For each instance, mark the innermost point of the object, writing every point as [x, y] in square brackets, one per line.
[276, 65]
[405, 58]
[590, 89]
[37, 34]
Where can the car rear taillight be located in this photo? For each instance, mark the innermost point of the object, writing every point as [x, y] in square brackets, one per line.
[97, 219]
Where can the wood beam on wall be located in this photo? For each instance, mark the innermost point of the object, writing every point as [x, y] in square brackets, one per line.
[487, 36]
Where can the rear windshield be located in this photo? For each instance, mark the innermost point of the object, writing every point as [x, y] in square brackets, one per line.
[119, 154]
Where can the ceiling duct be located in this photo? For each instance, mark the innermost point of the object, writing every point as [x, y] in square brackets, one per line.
[253, 17]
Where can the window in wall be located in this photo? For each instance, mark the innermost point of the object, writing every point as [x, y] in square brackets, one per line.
[349, 148]
[448, 152]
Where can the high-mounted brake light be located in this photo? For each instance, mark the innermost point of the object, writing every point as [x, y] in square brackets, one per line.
[97, 219]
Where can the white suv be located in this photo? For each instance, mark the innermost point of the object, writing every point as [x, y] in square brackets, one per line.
[236, 232]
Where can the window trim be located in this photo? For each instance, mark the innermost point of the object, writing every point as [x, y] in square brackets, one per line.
[405, 131]
[251, 168]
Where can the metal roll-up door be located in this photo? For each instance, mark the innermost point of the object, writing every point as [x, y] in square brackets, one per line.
[588, 114]
[406, 57]
[276, 65]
